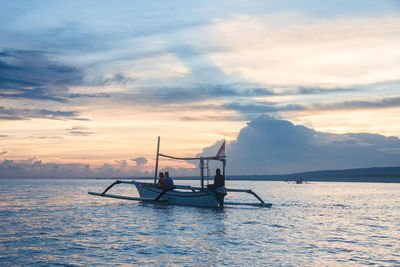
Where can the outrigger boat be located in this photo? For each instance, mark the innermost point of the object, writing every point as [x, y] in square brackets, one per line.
[203, 196]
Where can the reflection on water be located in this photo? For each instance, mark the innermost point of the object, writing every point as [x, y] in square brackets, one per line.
[49, 222]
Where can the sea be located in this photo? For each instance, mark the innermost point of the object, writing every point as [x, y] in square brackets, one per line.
[53, 222]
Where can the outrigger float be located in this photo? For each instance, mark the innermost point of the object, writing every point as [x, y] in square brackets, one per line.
[202, 196]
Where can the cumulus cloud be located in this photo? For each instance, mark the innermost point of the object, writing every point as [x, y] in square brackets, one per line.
[139, 161]
[265, 146]
[247, 59]
[35, 168]
[271, 146]
[122, 163]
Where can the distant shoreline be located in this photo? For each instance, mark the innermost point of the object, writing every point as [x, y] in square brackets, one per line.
[365, 175]
[234, 178]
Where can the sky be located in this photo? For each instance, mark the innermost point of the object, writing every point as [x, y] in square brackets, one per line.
[87, 86]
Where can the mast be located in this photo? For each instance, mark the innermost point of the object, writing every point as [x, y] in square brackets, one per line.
[156, 169]
[202, 171]
[223, 167]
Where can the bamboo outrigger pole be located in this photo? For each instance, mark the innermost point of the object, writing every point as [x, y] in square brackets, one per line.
[156, 169]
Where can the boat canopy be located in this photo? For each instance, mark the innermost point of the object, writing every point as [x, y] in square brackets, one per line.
[204, 161]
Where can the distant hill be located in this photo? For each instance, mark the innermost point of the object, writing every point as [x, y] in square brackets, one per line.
[379, 175]
[370, 175]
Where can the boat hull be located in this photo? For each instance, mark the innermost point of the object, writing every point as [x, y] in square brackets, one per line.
[199, 198]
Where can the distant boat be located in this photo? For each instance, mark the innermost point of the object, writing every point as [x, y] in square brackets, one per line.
[184, 194]
[297, 181]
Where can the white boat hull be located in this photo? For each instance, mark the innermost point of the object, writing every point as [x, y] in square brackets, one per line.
[182, 195]
[199, 198]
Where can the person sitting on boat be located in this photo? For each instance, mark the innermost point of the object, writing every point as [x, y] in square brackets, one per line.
[219, 187]
[169, 181]
[219, 179]
[162, 181]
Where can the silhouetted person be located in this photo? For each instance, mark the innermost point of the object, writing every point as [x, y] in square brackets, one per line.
[162, 181]
[219, 179]
[168, 180]
[219, 187]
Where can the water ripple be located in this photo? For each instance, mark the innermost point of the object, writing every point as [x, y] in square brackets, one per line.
[322, 224]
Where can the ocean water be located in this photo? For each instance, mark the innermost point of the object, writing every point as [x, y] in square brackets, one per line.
[55, 222]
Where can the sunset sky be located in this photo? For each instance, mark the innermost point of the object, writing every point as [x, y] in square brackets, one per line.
[87, 86]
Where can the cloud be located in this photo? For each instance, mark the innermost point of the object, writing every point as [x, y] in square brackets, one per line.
[270, 146]
[360, 104]
[180, 171]
[45, 137]
[26, 114]
[122, 163]
[198, 92]
[30, 74]
[140, 161]
[118, 79]
[3, 153]
[77, 130]
[34, 93]
[221, 118]
[83, 133]
[205, 66]
[35, 168]
[241, 91]
[293, 49]
[96, 95]
[265, 146]
[261, 107]
[319, 90]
